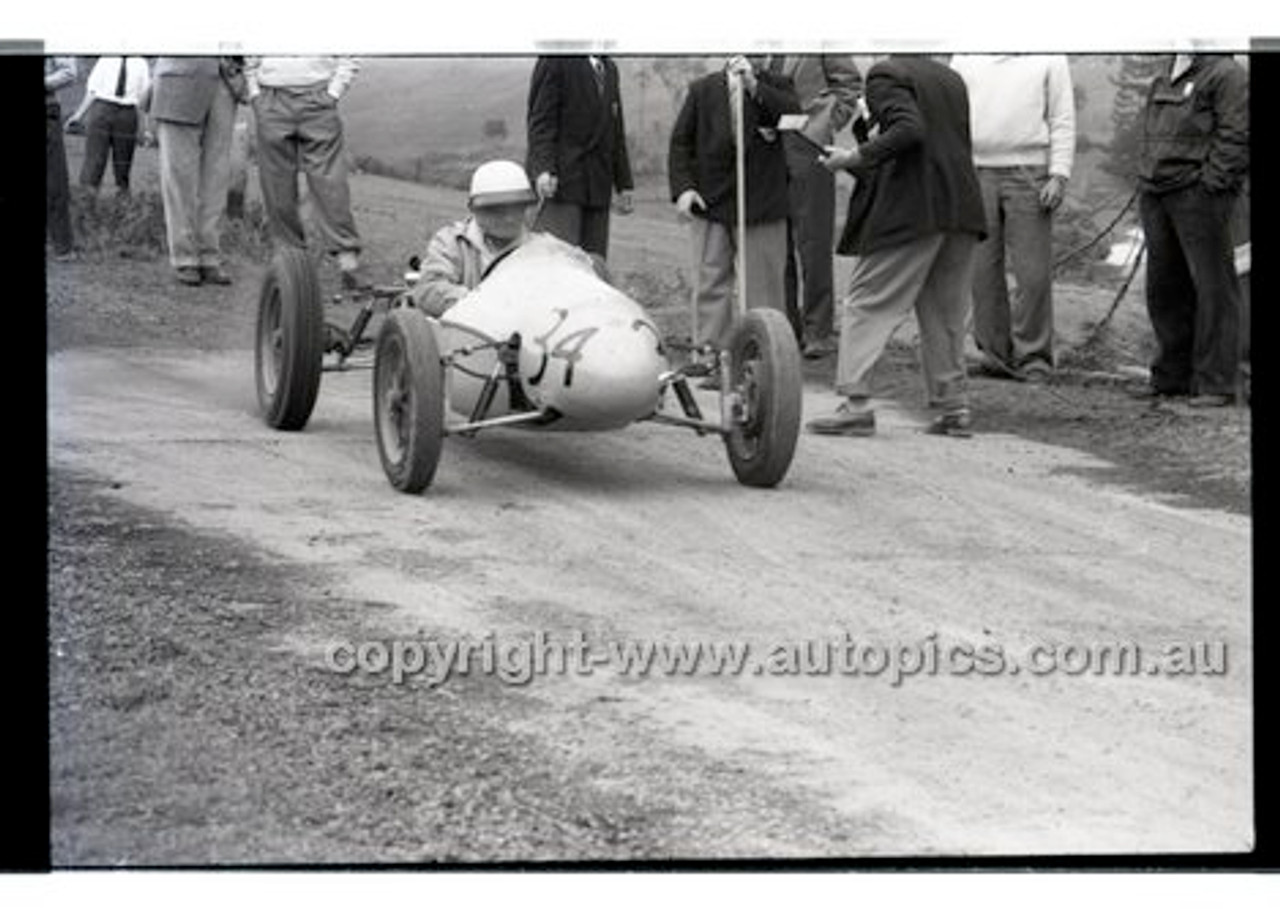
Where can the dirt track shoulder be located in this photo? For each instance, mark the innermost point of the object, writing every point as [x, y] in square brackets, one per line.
[184, 731]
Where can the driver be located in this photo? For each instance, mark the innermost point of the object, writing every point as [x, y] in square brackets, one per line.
[460, 253]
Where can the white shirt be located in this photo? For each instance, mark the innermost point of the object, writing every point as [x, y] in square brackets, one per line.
[1181, 63]
[102, 79]
[337, 73]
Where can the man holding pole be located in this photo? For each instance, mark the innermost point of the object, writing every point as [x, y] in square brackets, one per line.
[746, 240]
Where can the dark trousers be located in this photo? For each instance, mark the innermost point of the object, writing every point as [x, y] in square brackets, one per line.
[811, 191]
[585, 227]
[57, 190]
[1193, 294]
[112, 132]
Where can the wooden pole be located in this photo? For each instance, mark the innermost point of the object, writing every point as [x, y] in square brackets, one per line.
[740, 151]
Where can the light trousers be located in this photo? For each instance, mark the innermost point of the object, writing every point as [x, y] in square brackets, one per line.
[714, 246]
[195, 169]
[930, 275]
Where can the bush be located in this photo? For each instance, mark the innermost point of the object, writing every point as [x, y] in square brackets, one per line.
[132, 226]
[1079, 247]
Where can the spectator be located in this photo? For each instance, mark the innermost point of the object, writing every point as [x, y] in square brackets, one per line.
[827, 87]
[295, 103]
[1194, 157]
[58, 73]
[115, 86]
[1023, 121]
[193, 104]
[459, 254]
[702, 170]
[914, 218]
[578, 148]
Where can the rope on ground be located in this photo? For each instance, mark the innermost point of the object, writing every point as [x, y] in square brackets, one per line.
[1085, 247]
[1124, 288]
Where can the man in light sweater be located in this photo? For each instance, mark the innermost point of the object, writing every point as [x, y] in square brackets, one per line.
[1022, 117]
[295, 104]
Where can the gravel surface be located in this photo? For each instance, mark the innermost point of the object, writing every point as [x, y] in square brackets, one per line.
[185, 729]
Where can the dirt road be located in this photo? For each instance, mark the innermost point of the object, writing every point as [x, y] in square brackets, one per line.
[643, 535]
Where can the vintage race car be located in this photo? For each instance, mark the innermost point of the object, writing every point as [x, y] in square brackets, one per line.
[543, 343]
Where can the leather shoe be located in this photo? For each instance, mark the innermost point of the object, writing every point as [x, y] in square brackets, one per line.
[956, 423]
[356, 278]
[820, 348]
[1211, 401]
[188, 274]
[213, 274]
[989, 369]
[1151, 393]
[1037, 373]
[844, 422]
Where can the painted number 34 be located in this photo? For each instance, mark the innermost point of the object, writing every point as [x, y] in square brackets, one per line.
[568, 348]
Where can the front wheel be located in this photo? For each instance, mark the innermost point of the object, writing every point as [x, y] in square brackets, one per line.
[765, 373]
[289, 347]
[408, 400]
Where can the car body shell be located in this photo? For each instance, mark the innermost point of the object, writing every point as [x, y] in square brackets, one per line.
[588, 352]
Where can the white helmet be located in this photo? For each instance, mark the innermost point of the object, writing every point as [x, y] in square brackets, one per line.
[500, 183]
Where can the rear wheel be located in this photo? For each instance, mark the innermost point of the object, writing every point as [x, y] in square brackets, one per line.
[765, 373]
[289, 346]
[408, 400]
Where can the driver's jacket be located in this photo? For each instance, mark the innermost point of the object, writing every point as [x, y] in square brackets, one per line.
[456, 259]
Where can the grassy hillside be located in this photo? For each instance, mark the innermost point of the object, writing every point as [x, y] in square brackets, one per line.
[402, 107]
[456, 111]
[453, 110]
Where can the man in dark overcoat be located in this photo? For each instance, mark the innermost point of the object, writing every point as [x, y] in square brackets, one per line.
[914, 219]
[577, 150]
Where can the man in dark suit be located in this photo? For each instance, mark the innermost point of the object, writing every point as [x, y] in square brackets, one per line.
[914, 219]
[59, 72]
[194, 107]
[828, 87]
[578, 148]
[702, 171]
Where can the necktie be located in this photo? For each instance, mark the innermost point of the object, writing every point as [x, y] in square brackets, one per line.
[597, 67]
[120, 79]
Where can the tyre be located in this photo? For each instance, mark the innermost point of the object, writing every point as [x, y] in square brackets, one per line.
[408, 400]
[765, 372]
[289, 347]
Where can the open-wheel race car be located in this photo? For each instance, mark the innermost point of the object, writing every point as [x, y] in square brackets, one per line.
[542, 343]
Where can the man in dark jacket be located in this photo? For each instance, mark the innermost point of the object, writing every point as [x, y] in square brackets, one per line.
[828, 87]
[59, 72]
[702, 172]
[1194, 155]
[578, 148]
[914, 219]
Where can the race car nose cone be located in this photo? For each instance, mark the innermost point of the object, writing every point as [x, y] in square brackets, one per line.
[614, 380]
